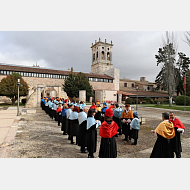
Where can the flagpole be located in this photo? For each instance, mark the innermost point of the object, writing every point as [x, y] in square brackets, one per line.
[185, 94]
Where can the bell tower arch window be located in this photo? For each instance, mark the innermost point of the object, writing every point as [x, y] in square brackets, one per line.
[103, 55]
[97, 54]
[108, 56]
[94, 57]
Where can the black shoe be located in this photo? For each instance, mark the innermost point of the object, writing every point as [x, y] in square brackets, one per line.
[84, 151]
[64, 133]
[72, 142]
[128, 140]
[125, 140]
[120, 133]
[133, 143]
[116, 135]
[69, 138]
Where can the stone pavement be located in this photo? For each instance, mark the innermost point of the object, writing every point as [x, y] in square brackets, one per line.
[8, 129]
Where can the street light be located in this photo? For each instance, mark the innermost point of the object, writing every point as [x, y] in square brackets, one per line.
[18, 84]
[137, 97]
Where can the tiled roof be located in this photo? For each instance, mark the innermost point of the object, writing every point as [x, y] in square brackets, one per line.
[48, 71]
[143, 93]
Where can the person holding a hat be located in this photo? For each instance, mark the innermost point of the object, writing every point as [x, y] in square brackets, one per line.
[108, 130]
[127, 117]
[135, 126]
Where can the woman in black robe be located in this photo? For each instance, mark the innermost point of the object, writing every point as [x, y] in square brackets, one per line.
[108, 130]
[74, 124]
[82, 137]
[91, 133]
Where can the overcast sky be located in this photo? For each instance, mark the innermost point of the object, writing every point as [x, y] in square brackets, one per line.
[133, 52]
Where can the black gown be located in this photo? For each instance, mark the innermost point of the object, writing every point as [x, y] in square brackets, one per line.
[92, 139]
[108, 148]
[82, 135]
[63, 126]
[162, 148]
[118, 121]
[74, 127]
[126, 129]
[176, 143]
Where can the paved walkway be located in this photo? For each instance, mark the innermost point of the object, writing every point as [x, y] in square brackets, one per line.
[8, 129]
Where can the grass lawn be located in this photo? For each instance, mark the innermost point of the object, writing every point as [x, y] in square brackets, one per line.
[9, 104]
[166, 106]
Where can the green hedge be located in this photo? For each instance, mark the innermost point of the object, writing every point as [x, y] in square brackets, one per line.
[180, 100]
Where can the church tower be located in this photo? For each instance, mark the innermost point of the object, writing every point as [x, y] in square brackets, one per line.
[101, 57]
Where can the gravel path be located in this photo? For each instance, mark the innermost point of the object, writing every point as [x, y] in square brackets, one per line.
[38, 136]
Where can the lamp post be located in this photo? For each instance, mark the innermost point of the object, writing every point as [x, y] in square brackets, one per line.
[18, 84]
[137, 97]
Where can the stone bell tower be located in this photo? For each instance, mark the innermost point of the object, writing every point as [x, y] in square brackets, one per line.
[101, 57]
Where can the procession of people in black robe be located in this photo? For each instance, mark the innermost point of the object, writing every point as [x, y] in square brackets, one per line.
[81, 122]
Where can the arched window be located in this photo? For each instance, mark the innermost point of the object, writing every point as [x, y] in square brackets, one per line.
[108, 56]
[132, 85]
[103, 55]
[97, 54]
[94, 57]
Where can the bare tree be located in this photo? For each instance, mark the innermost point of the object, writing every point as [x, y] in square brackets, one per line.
[187, 37]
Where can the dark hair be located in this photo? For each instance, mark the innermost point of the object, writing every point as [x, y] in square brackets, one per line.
[165, 115]
[108, 119]
[172, 112]
[70, 105]
[116, 105]
[90, 112]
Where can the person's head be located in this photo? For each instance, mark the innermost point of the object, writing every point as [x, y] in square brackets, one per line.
[165, 116]
[127, 106]
[98, 104]
[108, 115]
[116, 105]
[93, 103]
[85, 109]
[59, 105]
[76, 109]
[64, 106]
[135, 114]
[91, 112]
[172, 115]
[104, 104]
[71, 106]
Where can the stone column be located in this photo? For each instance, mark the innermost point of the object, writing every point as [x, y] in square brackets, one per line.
[90, 99]
[119, 98]
[82, 95]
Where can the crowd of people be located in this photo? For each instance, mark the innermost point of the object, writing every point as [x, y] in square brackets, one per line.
[80, 121]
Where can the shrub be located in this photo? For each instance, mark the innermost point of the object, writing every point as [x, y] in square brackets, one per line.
[143, 102]
[129, 101]
[180, 100]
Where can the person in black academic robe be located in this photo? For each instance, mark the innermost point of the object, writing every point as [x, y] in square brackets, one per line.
[91, 133]
[64, 119]
[108, 130]
[176, 141]
[82, 137]
[69, 110]
[59, 116]
[74, 124]
[165, 133]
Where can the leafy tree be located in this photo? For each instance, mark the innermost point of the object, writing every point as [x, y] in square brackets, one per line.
[188, 83]
[183, 67]
[70, 85]
[74, 83]
[82, 83]
[9, 88]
